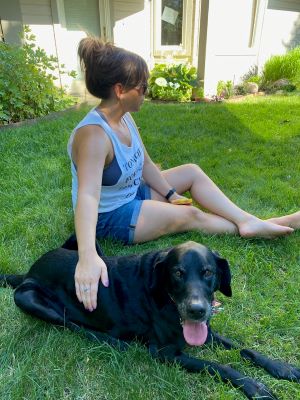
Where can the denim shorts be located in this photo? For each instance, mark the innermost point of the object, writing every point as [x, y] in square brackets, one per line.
[120, 224]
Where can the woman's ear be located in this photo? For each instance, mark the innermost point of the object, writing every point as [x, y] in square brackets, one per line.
[118, 90]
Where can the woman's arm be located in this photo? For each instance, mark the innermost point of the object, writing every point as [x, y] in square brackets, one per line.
[90, 149]
[154, 178]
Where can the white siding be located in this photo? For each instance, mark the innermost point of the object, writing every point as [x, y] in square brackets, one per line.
[36, 12]
[82, 15]
[228, 55]
[132, 26]
[38, 15]
[281, 32]
[285, 5]
[122, 9]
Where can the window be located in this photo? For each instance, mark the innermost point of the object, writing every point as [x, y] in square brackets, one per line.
[171, 22]
[172, 26]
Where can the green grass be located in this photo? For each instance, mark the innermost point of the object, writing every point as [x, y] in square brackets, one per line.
[251, 150]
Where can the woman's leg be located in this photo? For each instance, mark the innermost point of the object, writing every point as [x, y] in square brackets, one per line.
[203, 190]
[292, 220]
[158, 218]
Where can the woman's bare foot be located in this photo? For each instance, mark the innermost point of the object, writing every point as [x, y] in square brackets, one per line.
[255, 227]
[291, 220]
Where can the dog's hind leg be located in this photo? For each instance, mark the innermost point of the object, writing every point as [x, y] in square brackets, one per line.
[32, 300]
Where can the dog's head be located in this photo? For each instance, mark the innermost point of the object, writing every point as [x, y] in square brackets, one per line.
[189, 274]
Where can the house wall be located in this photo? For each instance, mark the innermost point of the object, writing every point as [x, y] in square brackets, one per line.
[286, 35]
[228, 54]
[131, 26]
[231, 48]
[68, 30]
[11, 20]
[229, 51]
[59, 34]
[38, 15]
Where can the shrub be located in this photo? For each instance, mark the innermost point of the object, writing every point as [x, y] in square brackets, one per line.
[285, 66]
[172, 82]
[225, 89]
[27, 87]
[252, 75]
[240, 90]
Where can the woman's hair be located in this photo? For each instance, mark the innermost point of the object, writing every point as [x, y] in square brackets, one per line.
[105, 65]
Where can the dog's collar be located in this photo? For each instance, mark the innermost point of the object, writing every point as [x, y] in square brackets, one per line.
[216, 309]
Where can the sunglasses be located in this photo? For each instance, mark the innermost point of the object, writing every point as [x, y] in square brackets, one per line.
[143, 86]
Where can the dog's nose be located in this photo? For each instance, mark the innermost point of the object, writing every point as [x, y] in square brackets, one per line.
[196, 310]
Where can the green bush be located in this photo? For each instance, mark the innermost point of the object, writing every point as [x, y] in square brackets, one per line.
[225, 89]
[285, 66]
[172, 82]
[252, 75]
[27, 87]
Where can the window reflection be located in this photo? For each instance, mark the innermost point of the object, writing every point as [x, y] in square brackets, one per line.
[171, 22]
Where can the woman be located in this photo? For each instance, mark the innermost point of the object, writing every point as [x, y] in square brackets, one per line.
[118, 191]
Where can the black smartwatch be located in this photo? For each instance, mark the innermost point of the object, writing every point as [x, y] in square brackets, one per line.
[170, 193]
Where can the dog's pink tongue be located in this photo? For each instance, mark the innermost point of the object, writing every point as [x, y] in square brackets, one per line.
[195, 333]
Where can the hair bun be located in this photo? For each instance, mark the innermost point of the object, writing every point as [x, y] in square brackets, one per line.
[91, 47]
[105, 64]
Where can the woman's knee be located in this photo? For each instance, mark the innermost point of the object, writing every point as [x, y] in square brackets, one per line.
[194, 170]
[190, 217]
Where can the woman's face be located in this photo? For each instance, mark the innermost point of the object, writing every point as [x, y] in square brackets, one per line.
[134, 98]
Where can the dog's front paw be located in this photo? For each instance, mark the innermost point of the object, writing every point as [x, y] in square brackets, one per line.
[276, 368]
[282, 370]
[257, 390]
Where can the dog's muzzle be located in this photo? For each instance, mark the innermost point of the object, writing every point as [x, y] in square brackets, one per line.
[194, 315]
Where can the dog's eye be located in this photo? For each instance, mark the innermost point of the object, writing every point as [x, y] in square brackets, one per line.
[207, 273]
[178, 274]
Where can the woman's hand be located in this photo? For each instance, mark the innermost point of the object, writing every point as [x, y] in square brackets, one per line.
[87, 275]
[180, 200]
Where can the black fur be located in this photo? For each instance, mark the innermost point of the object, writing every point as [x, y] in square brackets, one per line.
[147, 299]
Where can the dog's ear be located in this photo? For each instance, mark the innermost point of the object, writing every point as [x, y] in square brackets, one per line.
[158, 279]
[224, 274]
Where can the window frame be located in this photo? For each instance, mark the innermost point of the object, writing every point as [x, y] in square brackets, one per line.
[185, 49]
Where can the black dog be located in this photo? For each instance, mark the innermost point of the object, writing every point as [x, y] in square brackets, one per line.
[162, 298]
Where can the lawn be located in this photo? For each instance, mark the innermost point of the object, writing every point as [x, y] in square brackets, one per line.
[251, 150]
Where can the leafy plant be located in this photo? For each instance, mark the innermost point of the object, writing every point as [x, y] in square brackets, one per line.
[198, 93]
[225, 89]
[252, 75]
[172, 82]
[240, 89]
[27, 88]
[286, 66]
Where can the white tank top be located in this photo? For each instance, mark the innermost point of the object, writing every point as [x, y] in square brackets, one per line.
[130, 161]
